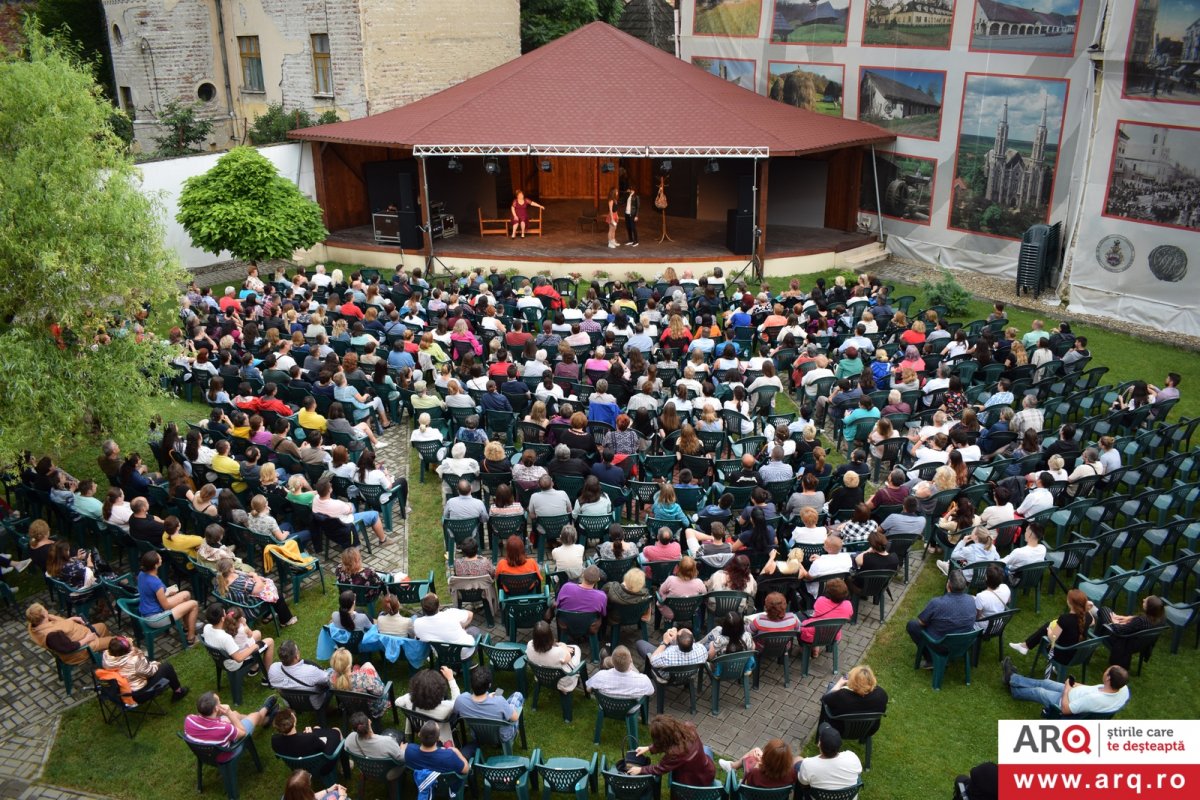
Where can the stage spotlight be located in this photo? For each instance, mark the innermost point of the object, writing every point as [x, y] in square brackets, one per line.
[607, 166]
[547, 166]
[454, 165]
[665, 166]
[491, 167]
[713, 166]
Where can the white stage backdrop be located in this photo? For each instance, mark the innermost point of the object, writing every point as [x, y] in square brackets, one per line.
[1137, 253]
[991, 103]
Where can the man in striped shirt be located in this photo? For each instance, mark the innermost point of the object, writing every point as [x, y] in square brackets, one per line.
[215, 723]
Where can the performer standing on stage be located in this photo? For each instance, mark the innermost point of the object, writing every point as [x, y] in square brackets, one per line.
[613, 202]
[631, 216]
[520, 213]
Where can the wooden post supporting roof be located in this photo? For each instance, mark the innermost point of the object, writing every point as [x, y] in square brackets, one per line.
[761, 218]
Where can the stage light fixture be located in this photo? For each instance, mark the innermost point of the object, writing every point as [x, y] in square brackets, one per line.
[547, 166]
[491, 166]
[665, 166]
[454, 165]
[713, 166]
[607, 166]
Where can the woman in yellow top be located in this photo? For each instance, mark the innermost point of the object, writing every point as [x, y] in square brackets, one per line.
[172, 539]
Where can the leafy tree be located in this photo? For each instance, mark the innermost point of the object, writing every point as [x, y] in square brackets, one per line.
[184, 130]
[243, 206]
[274, 125]
[991, 219]
[544, 21]
[81, 22]
[82, 250]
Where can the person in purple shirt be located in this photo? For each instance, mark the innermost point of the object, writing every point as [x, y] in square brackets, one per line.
[584, 596]
[953, 612]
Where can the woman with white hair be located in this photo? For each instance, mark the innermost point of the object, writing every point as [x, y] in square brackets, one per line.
[597, 362]
[425, 432]
[458, 463]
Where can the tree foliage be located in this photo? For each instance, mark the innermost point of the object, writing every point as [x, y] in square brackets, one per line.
[82, 250]
[82, 23]
[544, 21]
[183, 130]
[274, 125]
[242, 205]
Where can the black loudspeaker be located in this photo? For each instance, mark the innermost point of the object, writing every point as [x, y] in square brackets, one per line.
[391, 183]
[411, 236]
[739, 232]
[745, 194]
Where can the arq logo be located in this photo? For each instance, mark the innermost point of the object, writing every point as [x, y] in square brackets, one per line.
[1049, 739]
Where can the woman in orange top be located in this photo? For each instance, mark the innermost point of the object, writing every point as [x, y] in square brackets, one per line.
[514, 561]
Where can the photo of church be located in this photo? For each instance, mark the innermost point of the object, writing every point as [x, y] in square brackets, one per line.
[1007, 153]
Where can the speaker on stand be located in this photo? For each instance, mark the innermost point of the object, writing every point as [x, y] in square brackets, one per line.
[739, 232]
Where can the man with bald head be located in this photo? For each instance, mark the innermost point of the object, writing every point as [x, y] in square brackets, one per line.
[677, 649]
[832, 562]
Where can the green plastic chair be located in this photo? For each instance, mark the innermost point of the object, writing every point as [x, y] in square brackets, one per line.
[626, 709]
[506, 773]
[548, 529]
[1179, 616]
[208, 755]
[860, 727]
[825, 634]
[550, 676]
[682, 791]
[66, 672]
[570, 776]
[237, 677]
[951, 648]
[683, 675]
[505, 657]
[629, 616]
[294, 573]
[488, 732]
[1080, 656]
[620, 786]
[450, 655]
[1029, 577]
[774, 646]
[457, 531]
[730, 668]
[849, 793]
[522, 610]
[147, 629]
[379, 769]
[739, 791]
[502, 526]
[872, 584]
[324, 767]
[994, 626]
[577, 626]
[379, 499]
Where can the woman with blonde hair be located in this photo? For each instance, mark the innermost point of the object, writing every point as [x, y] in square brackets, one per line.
[945, 478]
[677, 335]
[709, 421]
[883, 430]
[340, 332]
[345, 676]
[857, 693]
[537, 414]
[628, 591]
[915, 335]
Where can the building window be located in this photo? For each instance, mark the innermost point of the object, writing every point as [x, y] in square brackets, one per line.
[322, 69]
[206, 92]
[127, 102]
[252, 72]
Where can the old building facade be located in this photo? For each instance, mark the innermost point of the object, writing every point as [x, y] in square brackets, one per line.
[353, 57]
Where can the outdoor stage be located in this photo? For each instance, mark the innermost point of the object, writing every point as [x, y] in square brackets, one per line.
[570, 242]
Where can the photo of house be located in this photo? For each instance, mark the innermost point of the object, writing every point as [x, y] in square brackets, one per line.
[909, 23]
[735, 70]
[1155, 175]
[1007, 153]
[815, 87]
[905, 101]
[903, 185]
[805, 22]
[1164, 52]
[727, 17]
[1039, 27]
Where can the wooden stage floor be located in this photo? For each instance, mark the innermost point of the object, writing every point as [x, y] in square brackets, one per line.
[570, 239]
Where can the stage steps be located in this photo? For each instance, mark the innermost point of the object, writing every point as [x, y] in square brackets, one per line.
[861, 258]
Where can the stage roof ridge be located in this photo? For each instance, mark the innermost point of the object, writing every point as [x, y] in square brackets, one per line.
[572, 92]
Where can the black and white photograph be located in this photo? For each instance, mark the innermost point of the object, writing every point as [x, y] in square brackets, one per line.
[1155, 175]
[1164, 52]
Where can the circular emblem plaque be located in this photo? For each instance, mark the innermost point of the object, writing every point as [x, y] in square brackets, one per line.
[1114, 253]
[1168, 263]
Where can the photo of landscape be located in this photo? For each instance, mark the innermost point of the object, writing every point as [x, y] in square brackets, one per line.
[735, 70]
[1164, 52]
[727, 17]
[1036, 27]
[813, 87]
[905, 186]
[905, 101]
[805, 22]
[909, 23]
[1007, 153]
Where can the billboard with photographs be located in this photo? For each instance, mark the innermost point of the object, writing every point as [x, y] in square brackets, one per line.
[814, 87]
[904, 65]
[738, 71]
[1139, 224]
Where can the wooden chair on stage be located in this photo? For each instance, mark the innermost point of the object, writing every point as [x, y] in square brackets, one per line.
[534, 226]
[499, 227]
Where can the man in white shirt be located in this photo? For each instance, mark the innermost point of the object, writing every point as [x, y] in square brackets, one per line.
[290, 672]
[528, 300]
[1032, 553]
[1000, 511]
[1039, 498]
[832, 562]
[1071, 698]
[643, 399]
[994, 598]
[813, 375]
[216, 637]
[450, 625]
[970, 452]
[941, 381]
[834, 768]
[320, 279]
[859, 340]
[618, 678]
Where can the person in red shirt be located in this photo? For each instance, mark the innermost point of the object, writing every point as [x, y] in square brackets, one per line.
[684, 755]
[348, 309]
[229, 301]
[518, 336]
[544, 289]
[269, 402]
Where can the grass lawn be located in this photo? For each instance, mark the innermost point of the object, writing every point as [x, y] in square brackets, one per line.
[928, 737]
[816, 34]
[935, 36]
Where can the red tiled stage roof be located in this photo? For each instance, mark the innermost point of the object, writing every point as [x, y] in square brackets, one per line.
[575, 91]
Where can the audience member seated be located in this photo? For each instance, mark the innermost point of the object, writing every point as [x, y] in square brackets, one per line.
[346, 676]
[768, 767]
[543, 651]
[1071, 698]
[1120, 627]
[290, 672]
[856, 693]
[1068, 630]
[953, 612]
[450, 625]
[832, 604]
[348, 617]
[215, 723]
[486, 702]
[833, 768]
[391, 620]
[427, 694]
[161, 604]
[65, 636]
[618, 678]
[684, 756]
[730, 636]
[363, 741]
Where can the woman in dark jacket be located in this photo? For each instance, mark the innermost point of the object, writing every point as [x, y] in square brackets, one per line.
[684, 755]
[858, 693]
[1121, 628]
[1069, 629]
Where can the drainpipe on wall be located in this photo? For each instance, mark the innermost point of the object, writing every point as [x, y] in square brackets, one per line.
[225, 65]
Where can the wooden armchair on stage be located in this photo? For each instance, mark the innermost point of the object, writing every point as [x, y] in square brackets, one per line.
[497, 227]
[534, 226]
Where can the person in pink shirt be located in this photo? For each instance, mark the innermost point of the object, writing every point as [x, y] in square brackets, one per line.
[325, 503]
[833, 604]
[665, 549]
[683, 583]
[462, 334]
